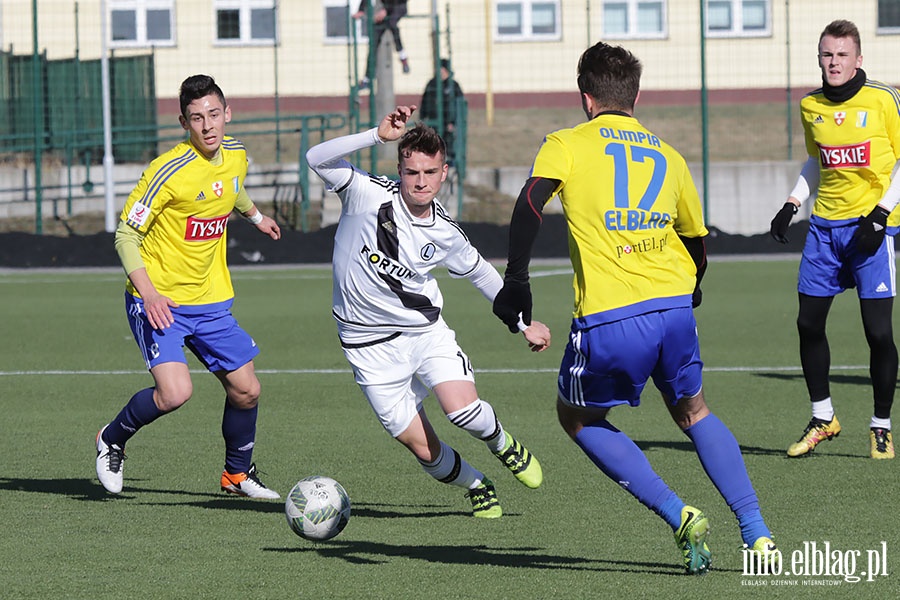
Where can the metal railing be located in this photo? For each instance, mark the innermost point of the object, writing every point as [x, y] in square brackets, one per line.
[77, 153]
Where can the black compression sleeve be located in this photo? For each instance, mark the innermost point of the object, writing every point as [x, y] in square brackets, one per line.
[696, 247]
[525, 224]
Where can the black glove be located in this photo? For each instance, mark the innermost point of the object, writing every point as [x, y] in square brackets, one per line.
[782, 221]
[697, 298]
[512, 299]
[869, 233]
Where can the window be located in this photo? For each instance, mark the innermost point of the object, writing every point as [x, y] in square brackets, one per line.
[142, 23]
[889, 16]
[336, 21]
[245, 21]
[634, 19]
[738, 18]
[527, 20]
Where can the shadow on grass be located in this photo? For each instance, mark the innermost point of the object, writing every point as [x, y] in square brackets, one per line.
[369, 553]
[77, 489]
[687, 446]
[90, 490]
[388, 511]
[745, 450]
[374, 511]
[833, 378]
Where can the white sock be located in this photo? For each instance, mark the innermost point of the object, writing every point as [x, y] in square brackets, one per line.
[450, 468]
[480, 421]
[823, 409]
[882, 423]
[403, 55]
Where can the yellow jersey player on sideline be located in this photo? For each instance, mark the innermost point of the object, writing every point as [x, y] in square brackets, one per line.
[636, 244]
[852, 128]
[172, 243]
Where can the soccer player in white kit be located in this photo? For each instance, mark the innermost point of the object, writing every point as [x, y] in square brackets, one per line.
[387, 304]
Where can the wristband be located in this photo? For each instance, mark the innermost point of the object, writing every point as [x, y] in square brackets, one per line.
[521, 324]
[257, 218]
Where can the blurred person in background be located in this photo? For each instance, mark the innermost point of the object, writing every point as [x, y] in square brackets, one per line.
[429, 107]
[386, 15]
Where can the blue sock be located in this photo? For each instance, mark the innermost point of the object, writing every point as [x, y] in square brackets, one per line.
[140, 411]
[239, 431]
[721, 458]
[623, 462]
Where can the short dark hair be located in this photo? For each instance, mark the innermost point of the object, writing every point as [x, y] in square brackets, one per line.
[611, 75]
[198, 86]
[843, 29]
[421, 138]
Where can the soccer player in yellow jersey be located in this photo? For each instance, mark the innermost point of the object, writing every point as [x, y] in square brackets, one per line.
[171, 240]
[852, 128]
[636, 244]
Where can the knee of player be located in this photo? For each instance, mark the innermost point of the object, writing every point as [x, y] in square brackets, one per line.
[809, 327]
[881, 339]
[689, 411]
[171, 397]
[245, 397]
[813, 316]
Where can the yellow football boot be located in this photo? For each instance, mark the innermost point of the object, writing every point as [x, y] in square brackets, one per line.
[817, 431]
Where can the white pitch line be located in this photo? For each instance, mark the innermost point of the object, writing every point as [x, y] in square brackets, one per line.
[550, 273]
[68, 276]
[762, 369]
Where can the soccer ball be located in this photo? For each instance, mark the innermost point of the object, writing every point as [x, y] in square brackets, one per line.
[317, 508]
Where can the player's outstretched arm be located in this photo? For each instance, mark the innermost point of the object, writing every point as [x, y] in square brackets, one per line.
[393, 125]
[514, 299]
[513, 302]
[538, 336]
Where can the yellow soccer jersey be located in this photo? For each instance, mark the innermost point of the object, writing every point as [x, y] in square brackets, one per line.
[857, 143]
[627, 196]
[181, 204]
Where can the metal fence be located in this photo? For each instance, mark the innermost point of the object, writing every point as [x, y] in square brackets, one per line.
[722, 78]
[58, 104]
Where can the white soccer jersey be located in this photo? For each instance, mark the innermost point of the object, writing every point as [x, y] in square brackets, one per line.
[383, 256]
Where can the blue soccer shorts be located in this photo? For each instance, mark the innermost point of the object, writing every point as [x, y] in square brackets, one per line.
[831, 264]
[609, 364]
[214, 337]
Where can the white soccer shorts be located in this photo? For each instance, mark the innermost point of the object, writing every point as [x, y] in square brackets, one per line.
[396, 375]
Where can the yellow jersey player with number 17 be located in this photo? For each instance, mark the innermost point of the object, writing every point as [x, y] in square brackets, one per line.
[636, 244]
[171, 240]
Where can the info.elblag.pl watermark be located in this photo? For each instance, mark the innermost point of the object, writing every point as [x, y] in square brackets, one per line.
[816, 563]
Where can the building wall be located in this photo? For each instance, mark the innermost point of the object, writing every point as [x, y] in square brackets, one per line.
[743, 196]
